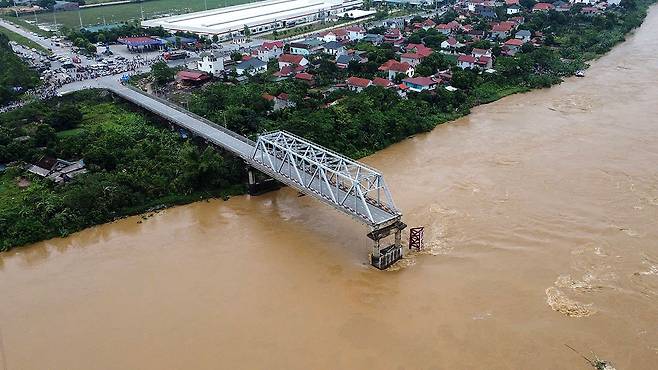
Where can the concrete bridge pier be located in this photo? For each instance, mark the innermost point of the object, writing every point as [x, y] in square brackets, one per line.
[259, 183]
[383, 258]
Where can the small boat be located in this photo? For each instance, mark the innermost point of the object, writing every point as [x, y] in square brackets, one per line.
[580, 73]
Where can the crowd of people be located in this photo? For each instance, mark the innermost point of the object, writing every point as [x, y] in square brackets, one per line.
[52, 80]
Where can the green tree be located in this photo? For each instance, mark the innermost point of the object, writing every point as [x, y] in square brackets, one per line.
[162, 73]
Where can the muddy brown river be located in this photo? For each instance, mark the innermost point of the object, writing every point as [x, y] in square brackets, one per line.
[541, 216]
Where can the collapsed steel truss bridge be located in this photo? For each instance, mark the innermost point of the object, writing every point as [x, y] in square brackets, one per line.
[338, 181]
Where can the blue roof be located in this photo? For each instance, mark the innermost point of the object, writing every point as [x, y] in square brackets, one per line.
[333, 45]
[347, 58]
[2, 167]
[251, 64]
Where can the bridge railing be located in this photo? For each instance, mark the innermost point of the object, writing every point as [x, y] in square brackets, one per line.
[195, 116]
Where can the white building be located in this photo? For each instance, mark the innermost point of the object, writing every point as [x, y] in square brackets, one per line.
[211, 62]
[258, 17]
[269, 50]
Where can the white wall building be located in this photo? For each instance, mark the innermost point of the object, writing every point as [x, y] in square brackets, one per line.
[258, 17]
[211, 62]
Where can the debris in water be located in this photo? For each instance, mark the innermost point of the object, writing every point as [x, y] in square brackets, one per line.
[566, 306]
[597, 363]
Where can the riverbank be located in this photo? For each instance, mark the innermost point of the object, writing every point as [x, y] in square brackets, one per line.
[133, 161]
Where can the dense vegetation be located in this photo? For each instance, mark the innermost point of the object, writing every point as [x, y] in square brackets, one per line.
[15, 76]
[134, 165]
[359, 124]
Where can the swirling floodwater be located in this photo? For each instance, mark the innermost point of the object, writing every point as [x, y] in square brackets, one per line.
[541, 217]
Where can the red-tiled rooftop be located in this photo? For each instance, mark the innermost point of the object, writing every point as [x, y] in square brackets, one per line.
[466, 59]
[304, 76]
[543, 6]
[422, 81]
[290, 58]
[381, 82]
[192, 75]
[514, 42]
[358, 81]
[394, 65]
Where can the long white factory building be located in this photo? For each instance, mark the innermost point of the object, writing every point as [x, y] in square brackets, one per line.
[261, 16]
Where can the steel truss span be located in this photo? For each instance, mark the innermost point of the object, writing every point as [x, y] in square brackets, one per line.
[347, 185]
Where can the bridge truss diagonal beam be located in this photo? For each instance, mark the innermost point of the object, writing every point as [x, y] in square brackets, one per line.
[346, 184]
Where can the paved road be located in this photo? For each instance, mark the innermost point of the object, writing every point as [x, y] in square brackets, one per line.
[199, 126]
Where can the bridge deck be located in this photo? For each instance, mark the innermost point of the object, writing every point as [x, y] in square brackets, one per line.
[374, 216]
[197, 125]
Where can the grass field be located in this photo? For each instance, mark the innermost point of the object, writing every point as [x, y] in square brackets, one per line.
[28, 26]
[13, 36]
[127, 12]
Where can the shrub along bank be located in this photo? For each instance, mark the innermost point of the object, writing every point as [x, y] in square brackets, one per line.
[133, 165]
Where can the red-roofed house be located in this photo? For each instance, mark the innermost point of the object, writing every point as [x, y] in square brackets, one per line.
[483, 58]
[512, 46]
[484, 62]
[290, 60]
[268, 50]
[419, 84]
[589, 10]
[413, 59]
[466, 61]
[357, 83]
[289, 71]
[502, 30]
[192, 77]
[378, 81]
[451, 45]
[393, 36]
[306, 77]
[448, 28]
[543, 7]
[355, 33]
[420, 49]
[339, 34]
[427, 24]
[283, 101]
[481, 52]
[393, 67]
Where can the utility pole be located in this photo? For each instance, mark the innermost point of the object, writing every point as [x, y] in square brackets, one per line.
[55, 17]
[206, 3]
[141, 10]
[80, 17]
